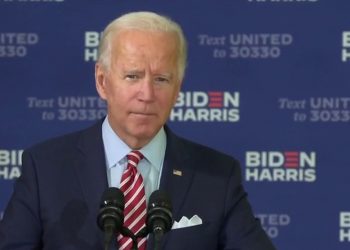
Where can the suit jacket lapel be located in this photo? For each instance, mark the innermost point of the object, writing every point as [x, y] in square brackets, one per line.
[91, 166]
[177, 173]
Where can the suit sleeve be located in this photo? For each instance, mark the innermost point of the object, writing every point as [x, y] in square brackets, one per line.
[21, 227]
[241, 230]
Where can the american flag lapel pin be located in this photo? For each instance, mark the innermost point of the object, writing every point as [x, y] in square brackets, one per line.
[177, 172]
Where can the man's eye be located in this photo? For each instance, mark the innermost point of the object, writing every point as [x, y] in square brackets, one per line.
[161, 79]
[131, 77]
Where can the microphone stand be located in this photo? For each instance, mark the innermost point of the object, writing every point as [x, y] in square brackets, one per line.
[134, 243]
[108, 237]
[127, 232]
[158, 234]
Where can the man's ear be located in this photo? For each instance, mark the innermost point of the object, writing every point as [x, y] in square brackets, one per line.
[100, 80]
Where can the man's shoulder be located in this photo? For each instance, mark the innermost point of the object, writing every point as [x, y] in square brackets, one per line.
[64, 142]
[206, 154]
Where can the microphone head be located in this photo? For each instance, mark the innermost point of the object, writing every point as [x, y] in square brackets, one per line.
[160, 198]
[112, 197]
[111, 209]
[159, 216]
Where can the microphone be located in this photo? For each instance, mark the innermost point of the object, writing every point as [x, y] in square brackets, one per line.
[159, 217]
[111, 215]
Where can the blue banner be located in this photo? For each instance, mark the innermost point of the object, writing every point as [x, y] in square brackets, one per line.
[266, 82]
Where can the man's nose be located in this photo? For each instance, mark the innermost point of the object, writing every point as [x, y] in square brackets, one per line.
[147, 90]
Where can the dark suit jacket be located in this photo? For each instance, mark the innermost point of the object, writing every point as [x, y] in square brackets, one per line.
[56, 200]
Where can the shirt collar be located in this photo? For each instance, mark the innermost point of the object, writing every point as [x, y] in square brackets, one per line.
[116, 149]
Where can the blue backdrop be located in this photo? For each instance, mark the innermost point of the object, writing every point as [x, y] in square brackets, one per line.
[267, 82]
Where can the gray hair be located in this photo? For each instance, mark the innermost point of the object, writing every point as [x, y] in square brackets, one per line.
[145, 21]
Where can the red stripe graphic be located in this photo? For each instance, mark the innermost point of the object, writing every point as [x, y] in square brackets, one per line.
[291, 159]
[215, 93]
[215, 99]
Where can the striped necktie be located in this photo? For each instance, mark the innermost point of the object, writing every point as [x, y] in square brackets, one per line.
[135, 201]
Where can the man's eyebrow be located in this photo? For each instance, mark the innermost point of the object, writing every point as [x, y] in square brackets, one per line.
[133, 71]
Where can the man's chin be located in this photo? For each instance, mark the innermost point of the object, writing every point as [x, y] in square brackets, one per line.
[137, 135]
[144, 133]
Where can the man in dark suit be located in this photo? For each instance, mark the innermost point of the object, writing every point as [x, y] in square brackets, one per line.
[56, 200]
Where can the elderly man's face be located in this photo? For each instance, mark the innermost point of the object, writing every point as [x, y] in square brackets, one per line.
[142, 84]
